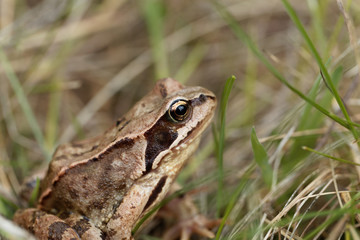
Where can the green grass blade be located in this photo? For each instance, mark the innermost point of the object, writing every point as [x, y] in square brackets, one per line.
[34, 194]
[261, 158]
[53, 117]
[327, 77]
[7, 207]
[23, 101]
[331, 157]
[221, 141]
[248, 116]
[241, 186]
[242, 36]
[154, 17]
[318, 11]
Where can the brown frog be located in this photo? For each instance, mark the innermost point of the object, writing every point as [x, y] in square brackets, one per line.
[101, 187]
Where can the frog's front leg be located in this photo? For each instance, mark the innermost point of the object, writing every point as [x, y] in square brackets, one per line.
[44, 225]
[48, 226]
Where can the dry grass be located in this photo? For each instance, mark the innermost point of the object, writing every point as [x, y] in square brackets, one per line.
[69, 69]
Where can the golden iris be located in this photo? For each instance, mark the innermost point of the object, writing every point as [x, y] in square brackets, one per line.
[179, 110]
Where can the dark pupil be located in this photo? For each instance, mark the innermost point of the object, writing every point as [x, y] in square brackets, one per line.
[181, 110]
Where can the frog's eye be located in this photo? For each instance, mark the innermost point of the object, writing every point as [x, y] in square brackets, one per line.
[179, 110]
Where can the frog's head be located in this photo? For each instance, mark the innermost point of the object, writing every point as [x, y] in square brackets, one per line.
[170, 119]
[184, 114]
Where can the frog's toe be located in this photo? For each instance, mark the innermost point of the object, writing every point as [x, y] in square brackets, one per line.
[199, 225]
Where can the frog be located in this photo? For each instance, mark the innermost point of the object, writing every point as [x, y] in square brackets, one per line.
[100, 188]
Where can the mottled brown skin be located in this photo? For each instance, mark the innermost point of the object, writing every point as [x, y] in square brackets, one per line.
[99, 188]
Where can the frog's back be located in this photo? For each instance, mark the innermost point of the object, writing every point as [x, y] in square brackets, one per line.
[105, 176]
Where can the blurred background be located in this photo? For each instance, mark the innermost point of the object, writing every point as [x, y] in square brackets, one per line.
[69, 69]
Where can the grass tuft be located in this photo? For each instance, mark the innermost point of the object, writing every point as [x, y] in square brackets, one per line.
[220, 141]
[325, 72]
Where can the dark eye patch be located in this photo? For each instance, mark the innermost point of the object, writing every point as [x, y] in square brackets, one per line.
[159, 138]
